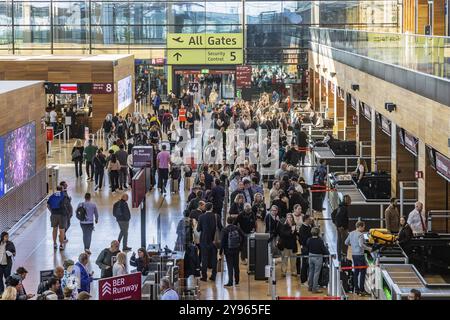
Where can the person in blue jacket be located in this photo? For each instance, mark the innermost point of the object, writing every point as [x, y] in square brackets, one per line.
[84, 277]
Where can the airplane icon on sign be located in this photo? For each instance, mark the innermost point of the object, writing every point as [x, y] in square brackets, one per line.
[178, 40]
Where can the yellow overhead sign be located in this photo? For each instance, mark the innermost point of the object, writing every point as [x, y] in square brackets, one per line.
[204, 40]
[205, 57]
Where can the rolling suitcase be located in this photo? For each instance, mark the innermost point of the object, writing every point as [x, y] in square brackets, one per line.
[174, 186]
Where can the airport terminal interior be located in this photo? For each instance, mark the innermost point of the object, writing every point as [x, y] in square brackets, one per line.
[224, 150]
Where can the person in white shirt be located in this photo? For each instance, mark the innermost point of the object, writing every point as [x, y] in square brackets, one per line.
[417, 219]
[120, 266]
[167, 293]
[319, 121]
[53, 119]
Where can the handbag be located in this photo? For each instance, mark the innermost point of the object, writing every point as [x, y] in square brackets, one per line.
[217, 235]
[280, 245]
[76, 154]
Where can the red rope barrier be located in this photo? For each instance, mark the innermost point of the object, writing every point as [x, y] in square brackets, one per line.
[309, 298]
[323, 190]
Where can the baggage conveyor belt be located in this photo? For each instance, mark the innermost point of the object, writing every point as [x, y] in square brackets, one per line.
[398, 280]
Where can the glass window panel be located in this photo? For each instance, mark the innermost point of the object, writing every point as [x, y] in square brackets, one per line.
[186, 13]
[5, 13]
[71, 13]
[32, 13]
[5, 37]
[148, 34]
[237, 28]
[263, 12]
[110, 35]
[297, 12]
[148, 13]
[32, 36]
[223, 12]
[110, 13]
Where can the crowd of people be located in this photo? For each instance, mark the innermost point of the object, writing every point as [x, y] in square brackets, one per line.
[227, 201]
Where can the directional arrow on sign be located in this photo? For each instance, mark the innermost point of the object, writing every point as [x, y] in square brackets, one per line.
[177, 55]
[178, 40]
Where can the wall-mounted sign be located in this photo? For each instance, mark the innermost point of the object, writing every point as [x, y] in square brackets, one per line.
[68, 88]
[385, 125]
[102, 88]
[205, 57]
[204, 48]
[367, 111]
[204, 40]
[194, 86]
[443, 165]
[79, 88]
[243, 77]
[418, 174]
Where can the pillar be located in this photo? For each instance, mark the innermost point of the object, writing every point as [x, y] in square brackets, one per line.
[340, 115]
[349, 126]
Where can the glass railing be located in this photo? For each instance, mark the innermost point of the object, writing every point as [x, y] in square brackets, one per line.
[426, 54]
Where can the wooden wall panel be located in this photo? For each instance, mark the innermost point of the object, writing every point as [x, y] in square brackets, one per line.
[439, 18]
[316, 91]
[311, 84]
[382, 149]
[422, 18]
[436, 195]
[75, 71]
[406, 167]
[330, 101]
[350, 128]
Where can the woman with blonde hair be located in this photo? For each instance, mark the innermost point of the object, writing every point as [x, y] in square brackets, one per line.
[238, 204]
[120, 266]
[77, 157]
[10, 293]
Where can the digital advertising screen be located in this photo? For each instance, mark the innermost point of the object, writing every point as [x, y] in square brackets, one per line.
[124, 93]
[17, 157]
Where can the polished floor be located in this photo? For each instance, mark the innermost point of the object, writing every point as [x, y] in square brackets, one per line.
[34, 239]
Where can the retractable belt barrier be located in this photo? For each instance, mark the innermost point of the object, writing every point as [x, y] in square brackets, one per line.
[309, 298]
[354, 267]
[321, 188]
[303, 149]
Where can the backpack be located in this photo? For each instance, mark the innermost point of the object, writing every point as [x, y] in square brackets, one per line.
[42, 287]
[66, 205]
[117, 212]
[319, 177]
[234, 239]
[81, 213]
[55, 200]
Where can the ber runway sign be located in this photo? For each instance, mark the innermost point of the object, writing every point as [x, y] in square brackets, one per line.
[127, 287]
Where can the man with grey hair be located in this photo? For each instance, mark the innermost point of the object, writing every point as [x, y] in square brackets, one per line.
[417, 219]
[167, 293]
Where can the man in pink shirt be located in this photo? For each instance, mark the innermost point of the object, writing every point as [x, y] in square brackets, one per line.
[162, 163]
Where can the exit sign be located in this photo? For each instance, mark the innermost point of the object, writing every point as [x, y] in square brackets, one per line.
[205, 71]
